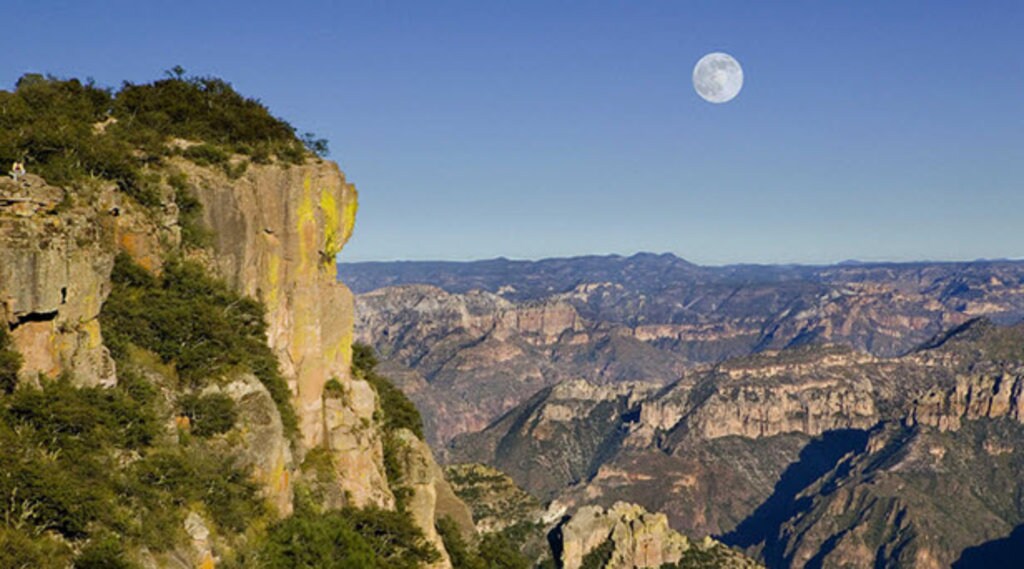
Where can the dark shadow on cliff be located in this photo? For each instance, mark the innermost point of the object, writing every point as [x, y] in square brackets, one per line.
[1005, 552]
[819, 457]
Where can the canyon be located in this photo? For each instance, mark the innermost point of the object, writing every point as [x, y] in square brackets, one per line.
[748, 403]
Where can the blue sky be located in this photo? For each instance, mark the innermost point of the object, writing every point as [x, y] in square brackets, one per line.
[869, 130]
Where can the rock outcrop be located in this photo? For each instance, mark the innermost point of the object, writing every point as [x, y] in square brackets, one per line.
[54, 276]
[916, 497]
[421, 478]
[276, 234]
[635, 538]
[557, 438]
[466, 359]
[265, 447]
[974, 397]
[276, 231]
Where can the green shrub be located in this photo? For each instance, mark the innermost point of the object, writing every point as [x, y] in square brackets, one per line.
[58, 464]
[498, 551]
[364, 359]
[190, 213]
[368, 538]
[19, 550]
[396, 410]
[82, 418]
[10, 362]
[318, 146]
[334, 389]
[462, 556]
[599, 557]
[193, 322]
[206, 154]
[50, 124]
[393, 448]
[181, 476]
[104, 552]
[199, 108]
[210, 414]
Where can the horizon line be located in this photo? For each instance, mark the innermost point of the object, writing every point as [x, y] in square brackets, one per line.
[847, 262]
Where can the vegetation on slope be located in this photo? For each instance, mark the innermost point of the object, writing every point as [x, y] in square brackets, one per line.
[396, 410]
[89, 476]
[194, 323]
[10, 362]
[497, 550]
[495, 499]
[82, 465]
[70, 132]
[367, 538]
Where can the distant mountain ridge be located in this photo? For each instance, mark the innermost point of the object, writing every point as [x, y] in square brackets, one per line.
[533, 278]
[472, 340]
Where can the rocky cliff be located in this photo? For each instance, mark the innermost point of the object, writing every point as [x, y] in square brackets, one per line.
[915, 497]
[472, 340]
[54, 269]
[466, 359]
[625, 536]
[276, 231]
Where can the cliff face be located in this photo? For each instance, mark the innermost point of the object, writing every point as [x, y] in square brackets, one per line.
[710, 448]
[557, 438]
[974, 397]
[273, 230]
[276, 234]
[54, 277]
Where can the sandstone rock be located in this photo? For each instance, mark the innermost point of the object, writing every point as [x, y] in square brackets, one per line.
[356, 446]
[638, 538]
[265, 447]
[482, 337]
[54, 277]
[420, 477]
[469, 358]
[277, 232]
[985, 396]
[199, 533]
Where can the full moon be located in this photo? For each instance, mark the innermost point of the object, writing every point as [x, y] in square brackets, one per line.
[718, 77]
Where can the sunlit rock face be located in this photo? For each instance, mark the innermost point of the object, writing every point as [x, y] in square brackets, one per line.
[265, 447]
[635, 539]
[54, 276]
[277, 232]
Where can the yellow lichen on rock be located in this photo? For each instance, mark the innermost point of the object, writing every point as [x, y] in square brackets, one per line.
[276, 231]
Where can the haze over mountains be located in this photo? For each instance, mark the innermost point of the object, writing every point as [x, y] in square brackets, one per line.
[753, 403]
